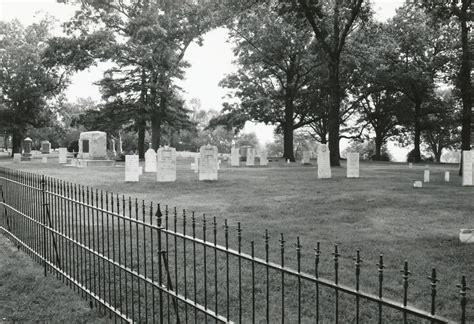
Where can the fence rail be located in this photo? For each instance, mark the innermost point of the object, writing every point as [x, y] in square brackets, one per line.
[142, 263]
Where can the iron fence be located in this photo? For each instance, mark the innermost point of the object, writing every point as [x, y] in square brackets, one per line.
[144, 263]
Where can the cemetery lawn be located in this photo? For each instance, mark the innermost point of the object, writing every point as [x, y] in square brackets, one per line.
[27, 296]
[378, 213]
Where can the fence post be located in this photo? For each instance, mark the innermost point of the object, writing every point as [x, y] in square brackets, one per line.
[43, 218]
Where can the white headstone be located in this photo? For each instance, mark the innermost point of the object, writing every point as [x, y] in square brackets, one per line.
[353, 165]
[410, 165]
[426, 176]
[306, 157]
[166, 164]
[150, 160]
[93, 145]
[324, 165]
[288, 161]
[131, 168]
[417, 184]
[250, 157]
[208, 163]
[62, 155]
[446, 176]
[44, 159]
[16, 157]
[234, 157]
[466, 168]
[466, 235]
[263, 158]
[196, 163]
[140, 170]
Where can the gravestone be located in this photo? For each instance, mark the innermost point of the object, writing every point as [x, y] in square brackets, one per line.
[417, 184]
[45, 147]
[353, 165]
[234, 157]
[196, 163]
[324, 165]
[62, 155]
[426, 176]
[263, 158]
[306, 157]
[112, 143]
[166, 164]
[93, 150]
[131, 168]
[27, 143]
[446, 176]
[16, 157]
[466, 235]
[466, 168]
[250, 157]
[44, 159]
[208, 163]
[410, 165]
[150, 160]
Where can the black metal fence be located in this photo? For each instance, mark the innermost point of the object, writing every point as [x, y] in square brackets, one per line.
[142, 263]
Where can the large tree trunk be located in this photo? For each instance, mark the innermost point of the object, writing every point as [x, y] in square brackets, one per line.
[334, 110]
[288, 149]
[155, 130]
[17, 137]
[378, 146]
[417, 140]
[141, 139]
[465, 86]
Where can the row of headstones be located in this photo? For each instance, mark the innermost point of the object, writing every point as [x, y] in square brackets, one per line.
[164, 164]
[324, 165]
[250, 161]
[62, 159]
[426, 177]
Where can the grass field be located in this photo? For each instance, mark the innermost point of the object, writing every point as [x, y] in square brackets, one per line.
[27, 296]
[378, 213]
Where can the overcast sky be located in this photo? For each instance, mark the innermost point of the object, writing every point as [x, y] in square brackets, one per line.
[209, 63]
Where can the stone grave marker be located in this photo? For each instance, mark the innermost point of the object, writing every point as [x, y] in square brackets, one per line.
[208, 163]
[306, 157]
[166, 164]
[250, 157]
[467, 168]
[426, 176]
[410, 165]
[324, 165]
[353, 165]
[234, 157]
[417, 184]
[446, 176]
[62, 155]
[44, 159]
[131, 168]
[196, 163]
[263, 158]
[150, 160]
[466, 235]
[16, 157]
[45, 147]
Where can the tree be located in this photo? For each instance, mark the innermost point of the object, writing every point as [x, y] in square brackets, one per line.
[277, 62]
[27, 83]
[332, 22]
[441, 128]
[418, 61]
[462, 10]
[147, 39]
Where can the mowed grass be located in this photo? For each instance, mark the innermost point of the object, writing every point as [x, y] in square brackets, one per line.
[27, 296]
[378, 213]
